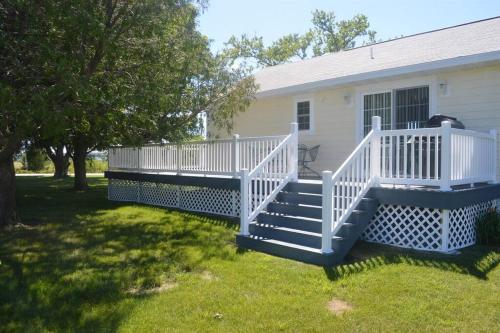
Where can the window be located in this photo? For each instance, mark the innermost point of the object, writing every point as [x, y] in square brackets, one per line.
[412, 107]
[377, 105]
[304, 115]
[399, 109]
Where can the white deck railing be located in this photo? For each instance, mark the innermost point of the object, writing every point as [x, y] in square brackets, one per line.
[343, 190]
[439, 156]
[211, 157]
[260, 185]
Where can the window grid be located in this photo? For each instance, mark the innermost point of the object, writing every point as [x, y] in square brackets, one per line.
[412, 107]
[377, 105]
[304, 115]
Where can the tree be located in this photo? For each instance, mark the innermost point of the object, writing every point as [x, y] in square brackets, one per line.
[327, 35]
[59, 154]
[26, 88]
[280, 51]
[35, 158]
[139, 71]
[104, 72]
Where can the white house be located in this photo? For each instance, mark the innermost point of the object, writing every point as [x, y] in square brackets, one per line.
[392, 180]
[453, 71]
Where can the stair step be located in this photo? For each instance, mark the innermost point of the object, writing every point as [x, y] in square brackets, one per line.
[287, 250]
[304, 188]
[289, 235]
[295, 210]
[301, 223]
[300, 198]
[368, 204]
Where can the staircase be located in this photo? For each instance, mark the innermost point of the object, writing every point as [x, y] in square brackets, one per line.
[290, 227]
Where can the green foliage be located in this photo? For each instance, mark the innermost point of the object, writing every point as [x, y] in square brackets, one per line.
[36, 159]
[92, 165]
[488, 228]
[82, 263]
[333, 36]
[327, 35]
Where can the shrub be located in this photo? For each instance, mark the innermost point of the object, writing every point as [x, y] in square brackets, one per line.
[36, 159]
[488, 228]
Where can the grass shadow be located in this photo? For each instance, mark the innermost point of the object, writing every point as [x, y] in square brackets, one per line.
[72, 267]
[476, 261]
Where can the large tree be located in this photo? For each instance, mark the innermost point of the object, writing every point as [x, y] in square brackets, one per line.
[327, 35]
[105, 72]
[26, 87]
[139, 70]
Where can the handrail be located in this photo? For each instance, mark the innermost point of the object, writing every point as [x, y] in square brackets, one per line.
[211, 157]
[343, 190]
[262, 184]
[439, 156]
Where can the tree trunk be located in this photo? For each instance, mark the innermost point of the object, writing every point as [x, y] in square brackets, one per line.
[79, 157]
[8, 213]
[60, 161]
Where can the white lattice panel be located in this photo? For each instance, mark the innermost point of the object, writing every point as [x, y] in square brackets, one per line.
[193, 198]
[122, 190]
[462, 229]
[166, 195]
[210, 200]
[406, 226]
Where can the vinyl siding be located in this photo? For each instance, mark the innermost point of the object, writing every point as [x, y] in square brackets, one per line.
[474, 98]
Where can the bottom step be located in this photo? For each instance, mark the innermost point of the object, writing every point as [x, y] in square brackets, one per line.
[287, 250]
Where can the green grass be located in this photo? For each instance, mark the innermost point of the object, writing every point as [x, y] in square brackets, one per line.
[82, 263]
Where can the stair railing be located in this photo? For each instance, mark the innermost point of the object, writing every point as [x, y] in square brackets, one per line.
[261, 185]
[343, 190]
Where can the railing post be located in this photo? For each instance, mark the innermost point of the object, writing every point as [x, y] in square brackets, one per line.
[375, 149]
[445, 236]
[294, 130]
[244, 228]
[178, 158]
[493, 133]
[445, 156]
[235, 155]
[139, 158]
[327, 213]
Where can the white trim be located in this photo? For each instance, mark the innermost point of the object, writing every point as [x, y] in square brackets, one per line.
[391, 86]
[475, 59]
[309, 99]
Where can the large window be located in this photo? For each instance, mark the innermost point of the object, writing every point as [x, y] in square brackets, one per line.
[304, 115]
[399, 109]
[412, 107]
[377, 105]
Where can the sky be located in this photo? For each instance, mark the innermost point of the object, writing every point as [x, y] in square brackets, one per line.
[275, 18]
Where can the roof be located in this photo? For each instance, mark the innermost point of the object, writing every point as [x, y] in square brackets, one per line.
[469, 43]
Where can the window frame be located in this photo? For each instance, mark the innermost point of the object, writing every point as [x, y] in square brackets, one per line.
[392, 86]
[298, 100]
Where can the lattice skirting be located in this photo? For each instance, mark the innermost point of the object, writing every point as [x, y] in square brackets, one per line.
[425, 228]
[192, 198]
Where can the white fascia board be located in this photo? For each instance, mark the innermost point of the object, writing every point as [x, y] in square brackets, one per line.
[475, 59]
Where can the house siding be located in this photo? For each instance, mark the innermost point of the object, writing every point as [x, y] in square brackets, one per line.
[473, 97]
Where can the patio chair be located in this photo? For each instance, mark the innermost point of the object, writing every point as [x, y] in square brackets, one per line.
[307, 155]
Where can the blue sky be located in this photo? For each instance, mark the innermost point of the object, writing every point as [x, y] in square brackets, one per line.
[275, 18]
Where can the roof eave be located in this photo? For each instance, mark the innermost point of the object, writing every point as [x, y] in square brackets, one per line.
[444, 64]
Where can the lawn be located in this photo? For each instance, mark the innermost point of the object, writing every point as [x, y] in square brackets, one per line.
[82, 263]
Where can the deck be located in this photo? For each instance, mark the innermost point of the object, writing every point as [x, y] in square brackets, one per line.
[418, 188]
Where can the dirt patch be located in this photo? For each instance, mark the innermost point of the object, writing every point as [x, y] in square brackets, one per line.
[338, 307]
[161, 288]
[208, 276]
